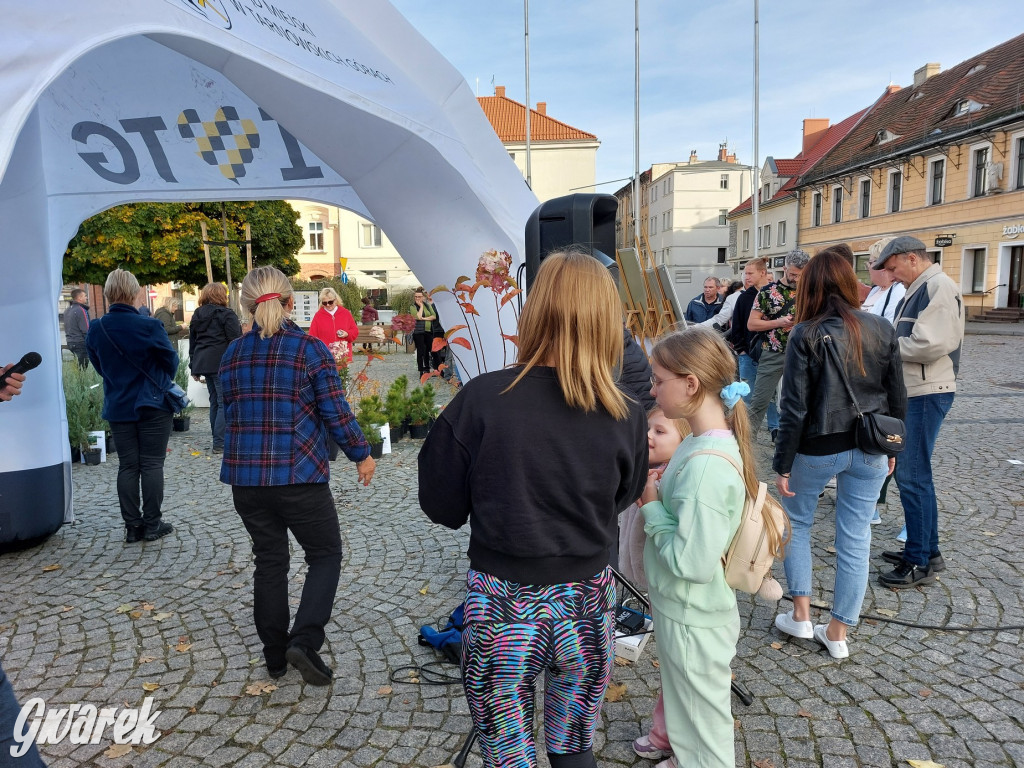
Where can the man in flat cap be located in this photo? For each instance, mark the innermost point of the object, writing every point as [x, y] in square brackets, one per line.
[930, 327]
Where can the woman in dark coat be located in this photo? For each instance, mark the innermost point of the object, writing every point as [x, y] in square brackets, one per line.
[213, 327]
[137, 362]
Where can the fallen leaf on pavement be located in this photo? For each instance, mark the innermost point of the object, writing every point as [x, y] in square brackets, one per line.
[776, 646]
[48, 568]
[424, 590]
[118, 750]
[150, 686]
[146, 659]
[161, 616]
[766, 763]
[621, 662]
[885, 612]
[925, 692]
[253, 662]
[257, 689]
[830, 550]
[182, 647]
[924, 764]
[989, 533]
[196, 453]
[656, 664]
[182, 638]
[68, 608]
[384, 690]
[148, 606]
[237, 585]
[804, 713]
[136, 614]
[615, 692]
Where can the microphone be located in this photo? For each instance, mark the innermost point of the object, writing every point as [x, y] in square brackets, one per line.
[27, 363]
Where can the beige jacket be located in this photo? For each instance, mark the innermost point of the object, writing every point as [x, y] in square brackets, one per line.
[930, 328]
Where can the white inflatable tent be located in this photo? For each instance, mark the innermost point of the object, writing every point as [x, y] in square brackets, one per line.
[341, 102]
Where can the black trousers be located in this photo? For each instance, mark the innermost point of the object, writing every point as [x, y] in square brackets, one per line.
[423, 341]
[141, 451]
[268, 513]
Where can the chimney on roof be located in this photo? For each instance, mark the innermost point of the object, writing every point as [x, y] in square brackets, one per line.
[542, 107]
[928, 70]
[693, 156]
[499, 90]
[723, 152]
[814, 129]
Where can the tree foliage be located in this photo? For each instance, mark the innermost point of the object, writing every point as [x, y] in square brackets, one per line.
[162, 242]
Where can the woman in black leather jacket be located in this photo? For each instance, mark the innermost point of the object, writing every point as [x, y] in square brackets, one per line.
[816, 439]
[214, 325]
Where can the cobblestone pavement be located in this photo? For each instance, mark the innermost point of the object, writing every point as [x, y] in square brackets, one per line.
[177, 612]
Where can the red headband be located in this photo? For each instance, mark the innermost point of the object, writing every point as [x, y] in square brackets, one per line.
[268, 297]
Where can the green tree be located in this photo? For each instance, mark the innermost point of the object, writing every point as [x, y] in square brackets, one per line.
[161, 242]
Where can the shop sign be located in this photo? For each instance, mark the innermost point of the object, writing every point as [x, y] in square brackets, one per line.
[780, 261]
[944, 241]
[1012, 230]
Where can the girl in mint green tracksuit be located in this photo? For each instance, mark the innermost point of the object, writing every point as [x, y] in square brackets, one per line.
[689, 527]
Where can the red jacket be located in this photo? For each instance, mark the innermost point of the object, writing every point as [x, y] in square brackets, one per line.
[325, 327]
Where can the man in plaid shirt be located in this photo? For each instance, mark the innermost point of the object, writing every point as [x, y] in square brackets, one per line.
[283, 401]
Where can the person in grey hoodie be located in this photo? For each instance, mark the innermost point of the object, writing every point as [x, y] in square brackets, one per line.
[76, 325]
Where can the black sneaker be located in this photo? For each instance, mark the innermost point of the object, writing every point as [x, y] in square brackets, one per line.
[906, 575]
[935, 563]
[132, 534]
[309, 664]
[775, 434]
[277, 672]
[159, 532]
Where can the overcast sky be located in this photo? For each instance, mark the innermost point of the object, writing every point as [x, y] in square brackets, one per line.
[818, 59]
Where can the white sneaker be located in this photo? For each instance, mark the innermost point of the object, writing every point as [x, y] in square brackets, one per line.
[785, 622]
[670, 763]
[836, 648]
[877, 519]
[902, 537]
[648, 751]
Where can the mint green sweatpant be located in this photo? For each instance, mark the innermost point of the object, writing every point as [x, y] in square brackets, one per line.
[696, 685]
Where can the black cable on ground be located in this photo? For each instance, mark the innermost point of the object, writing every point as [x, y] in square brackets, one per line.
[914, 625]
[426, 674]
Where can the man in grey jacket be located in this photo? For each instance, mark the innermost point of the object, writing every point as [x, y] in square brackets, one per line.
[76, 324]
[930, 327]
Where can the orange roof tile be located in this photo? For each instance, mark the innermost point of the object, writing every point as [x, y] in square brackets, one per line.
[508, 118]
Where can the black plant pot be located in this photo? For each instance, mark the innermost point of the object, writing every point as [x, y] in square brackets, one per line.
[181, 423]
[92, 456]
[376, 450]
[418, 431]
[396, 434]
[76, 454]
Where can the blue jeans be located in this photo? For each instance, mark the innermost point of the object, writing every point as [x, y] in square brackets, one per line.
[925, 414]
[859, 478]
[748, 373]
[216, 410]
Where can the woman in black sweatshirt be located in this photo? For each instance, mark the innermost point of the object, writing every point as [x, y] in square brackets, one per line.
[540, 458]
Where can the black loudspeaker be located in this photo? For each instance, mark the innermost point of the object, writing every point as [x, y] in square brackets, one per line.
[584, 220]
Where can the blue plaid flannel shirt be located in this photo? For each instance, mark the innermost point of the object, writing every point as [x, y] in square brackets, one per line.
[283, 401]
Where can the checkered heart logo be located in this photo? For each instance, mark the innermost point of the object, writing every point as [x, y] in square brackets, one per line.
[225, 142]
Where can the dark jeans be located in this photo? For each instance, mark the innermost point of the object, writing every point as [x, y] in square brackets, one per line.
[216, 410]
[268, 513]
[423, 341]
[82, 355]
[924, 417]
[9, 711]
[141, 450]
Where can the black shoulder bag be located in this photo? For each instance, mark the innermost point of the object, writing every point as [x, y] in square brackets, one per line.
[875, 432]
[174, 395]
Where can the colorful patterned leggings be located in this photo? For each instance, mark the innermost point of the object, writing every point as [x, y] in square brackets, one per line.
[515, 632]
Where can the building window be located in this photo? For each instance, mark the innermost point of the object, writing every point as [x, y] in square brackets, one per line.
[1019, 181]
[654, 193]
[746, 239]
[759, 236]
[666, 221]
[837, 204]
[652, 228]
[816, 209]
[895, 191]
[316, 236]
[369, 236]
[782, 233]
[721, 255]
[766, 192]
[865, 198]
[974, 270]
[979, 166]
[722, 214]
[767, 235]
[512, 155]
[937, 179]
[723, 181]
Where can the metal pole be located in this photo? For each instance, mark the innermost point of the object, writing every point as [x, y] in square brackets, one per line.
[526, 36]
[248, 247]
[756, 191]
[206, 252]
[232, 298]
[636, 121]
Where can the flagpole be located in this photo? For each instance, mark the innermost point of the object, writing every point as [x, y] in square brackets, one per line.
[756, 168]
[636, 122]
[526, 36]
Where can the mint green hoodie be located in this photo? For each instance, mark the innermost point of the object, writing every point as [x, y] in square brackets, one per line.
[689, 529]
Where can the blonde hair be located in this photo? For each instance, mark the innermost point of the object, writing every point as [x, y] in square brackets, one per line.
[681, 425]
[213, 293]
[121, 287]
[170, 303]
[269, 315]
[573, 317]
[702, 352]
[876, 248]
[330, 293]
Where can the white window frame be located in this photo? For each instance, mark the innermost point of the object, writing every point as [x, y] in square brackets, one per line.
[780, 233]
[816, 209]
[666, 220]
[889, 207]
[767, 235]
[315, 236]
[929, 193]
[759, 240]
[723, 181]
[746, 239]
[370, 235]
[654, 193]
[838, 191]
[652, 228]
[968, 267]
[860, 196]
[972, 171]
[1017, 171]
[723, 214]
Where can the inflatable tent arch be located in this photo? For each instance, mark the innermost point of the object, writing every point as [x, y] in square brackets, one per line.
[338, 102]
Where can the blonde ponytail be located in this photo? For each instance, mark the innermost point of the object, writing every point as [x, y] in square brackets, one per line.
[269, 314]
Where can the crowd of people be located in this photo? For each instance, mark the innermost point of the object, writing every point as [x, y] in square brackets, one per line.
[572, 425]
